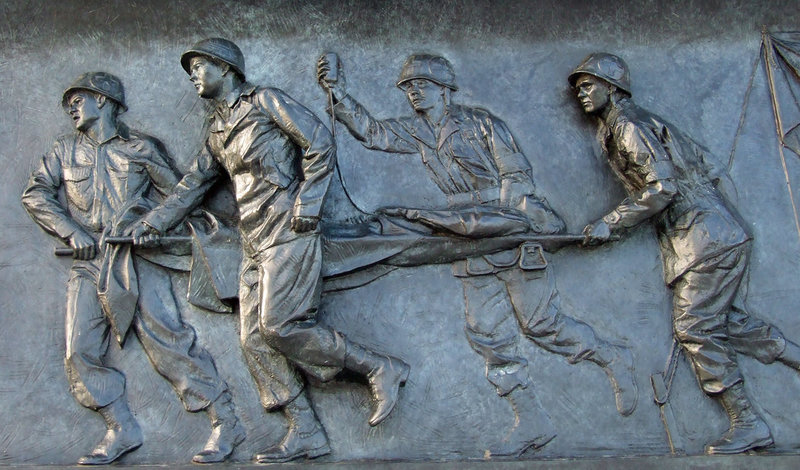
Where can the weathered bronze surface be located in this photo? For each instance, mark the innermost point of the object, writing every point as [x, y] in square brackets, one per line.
[244, 181]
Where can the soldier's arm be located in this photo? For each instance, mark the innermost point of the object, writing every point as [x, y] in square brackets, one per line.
[318, 147]
[40, 197]
[160, 166]
[187, 194]
[388, 135]
[651, 161]
[517, 189]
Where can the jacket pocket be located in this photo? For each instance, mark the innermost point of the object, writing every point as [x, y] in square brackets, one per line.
[77, 183]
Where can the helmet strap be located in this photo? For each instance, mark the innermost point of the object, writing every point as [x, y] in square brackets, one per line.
[612, 95]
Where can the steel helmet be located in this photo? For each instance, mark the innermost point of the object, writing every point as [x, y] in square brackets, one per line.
[608, 67]
[99, 82]
[216, 48]
[430, 67]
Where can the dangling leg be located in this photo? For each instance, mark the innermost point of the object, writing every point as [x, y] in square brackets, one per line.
[287, 320]
[492, 331]
[537, 306]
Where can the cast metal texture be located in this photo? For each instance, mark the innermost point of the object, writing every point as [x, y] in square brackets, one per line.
[454, 318]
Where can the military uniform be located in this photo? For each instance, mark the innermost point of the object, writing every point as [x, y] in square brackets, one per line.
[704, 247]
[474, 160]
[108, 185]
[280, 159]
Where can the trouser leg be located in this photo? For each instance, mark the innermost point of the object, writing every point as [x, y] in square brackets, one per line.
[537, 306]
[751, 336]
[92, 383]
[290, 282]
[278, 382]
[492, 331]
[171, 344]
[702, 300]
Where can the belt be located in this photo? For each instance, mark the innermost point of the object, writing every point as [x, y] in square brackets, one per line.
[481, 196]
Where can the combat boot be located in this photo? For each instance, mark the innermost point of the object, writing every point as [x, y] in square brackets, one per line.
[617, 363]
[385, 375]
[226, 431]
[747, 429]
[791, 355]
[123, 435]
[532, 426]
[305, 437]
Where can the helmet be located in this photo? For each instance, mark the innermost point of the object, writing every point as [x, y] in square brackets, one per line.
[430, 67]
[99, 82]
[216, 48]
[608, 67]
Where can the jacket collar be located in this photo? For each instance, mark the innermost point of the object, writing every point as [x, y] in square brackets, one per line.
[244, 89]
[123, 133]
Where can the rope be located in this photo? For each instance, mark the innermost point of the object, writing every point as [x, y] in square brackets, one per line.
[338, 167]
[745, 105]
[770, 62]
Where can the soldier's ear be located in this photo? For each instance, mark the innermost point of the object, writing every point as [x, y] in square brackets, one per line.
[101, 100]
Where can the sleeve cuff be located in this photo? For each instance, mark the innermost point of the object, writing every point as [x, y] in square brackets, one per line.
[612, 219]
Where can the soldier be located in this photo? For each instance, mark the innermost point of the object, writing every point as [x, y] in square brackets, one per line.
[110, 176]
[473, 158]
[672, 181]
[280, 158]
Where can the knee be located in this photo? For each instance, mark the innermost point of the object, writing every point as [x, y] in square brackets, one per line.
[542, 322]
[273, 334]
[251, 341]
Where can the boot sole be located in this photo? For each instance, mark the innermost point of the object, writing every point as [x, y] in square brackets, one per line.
[219, 457]
[766, 442]
[535, 444]
[87, 459]
[307, 454]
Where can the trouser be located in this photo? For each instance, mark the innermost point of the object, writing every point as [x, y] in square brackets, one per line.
[279, 299]
[711, 329]
[499, 305]
[169, 343]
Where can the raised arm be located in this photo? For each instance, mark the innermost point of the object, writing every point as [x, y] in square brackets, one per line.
[388, 135]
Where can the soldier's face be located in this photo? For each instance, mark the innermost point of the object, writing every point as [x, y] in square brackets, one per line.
[84, 110]
[422, 94]
[593, 93]
[206, 76]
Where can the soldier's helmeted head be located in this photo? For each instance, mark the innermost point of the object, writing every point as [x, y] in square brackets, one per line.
[598, 79]
[91, 95]
[426, 78]
[208, 61]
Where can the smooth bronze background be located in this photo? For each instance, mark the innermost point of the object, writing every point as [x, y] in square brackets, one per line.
[691, 63]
